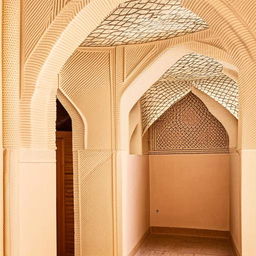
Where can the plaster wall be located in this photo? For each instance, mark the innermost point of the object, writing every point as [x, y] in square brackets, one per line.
[248, 201]
[190, 191]
[96, 208]
[1, 154]
[135, 129]
[135, 201]
[235, 199]
[2, 204]
[35, 197]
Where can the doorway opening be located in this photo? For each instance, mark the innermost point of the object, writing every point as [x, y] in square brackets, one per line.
[178, 169]
[65, 187]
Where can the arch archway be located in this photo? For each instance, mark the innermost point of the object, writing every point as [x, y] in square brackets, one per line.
[135, 91]
[79, 143]
[42, 78]
[56, 56]
[150, 75]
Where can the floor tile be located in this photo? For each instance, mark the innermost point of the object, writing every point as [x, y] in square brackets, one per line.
[165, 245]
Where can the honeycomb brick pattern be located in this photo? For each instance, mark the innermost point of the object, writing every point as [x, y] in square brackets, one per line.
[194, 66]
[196, 70]
[188, 127]
[159, 98]
[223, 89]
[141, 21]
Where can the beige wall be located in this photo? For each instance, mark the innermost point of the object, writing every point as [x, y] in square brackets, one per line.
[135, 201]
[95, 163]
[190, 191]
[35, 194]
[135, 129]
[235, 199]
[248, 202]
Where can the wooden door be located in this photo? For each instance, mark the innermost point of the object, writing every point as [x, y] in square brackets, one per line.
[65, 194]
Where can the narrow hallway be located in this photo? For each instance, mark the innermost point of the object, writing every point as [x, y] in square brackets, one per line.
[170, 245]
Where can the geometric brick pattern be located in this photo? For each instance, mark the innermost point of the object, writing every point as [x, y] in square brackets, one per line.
[141, 21]
[206, 74]
[195, 70]
[188, 127]
[195, 66]
[159, 97]
[223, 89]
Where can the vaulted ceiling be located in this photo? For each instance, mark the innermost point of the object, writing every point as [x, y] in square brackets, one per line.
[196, 70]
[141, 21]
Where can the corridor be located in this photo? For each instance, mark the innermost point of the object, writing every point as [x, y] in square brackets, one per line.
[125, 123]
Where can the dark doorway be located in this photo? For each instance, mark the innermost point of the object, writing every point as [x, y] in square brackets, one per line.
[65, 190]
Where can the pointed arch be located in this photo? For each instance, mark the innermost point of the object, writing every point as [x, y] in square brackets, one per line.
[79, 139]
[150, 75]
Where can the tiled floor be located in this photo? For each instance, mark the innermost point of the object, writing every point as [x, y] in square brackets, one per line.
[165, 245]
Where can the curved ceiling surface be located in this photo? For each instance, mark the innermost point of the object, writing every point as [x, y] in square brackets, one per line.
[196, 70]
[141, 21]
